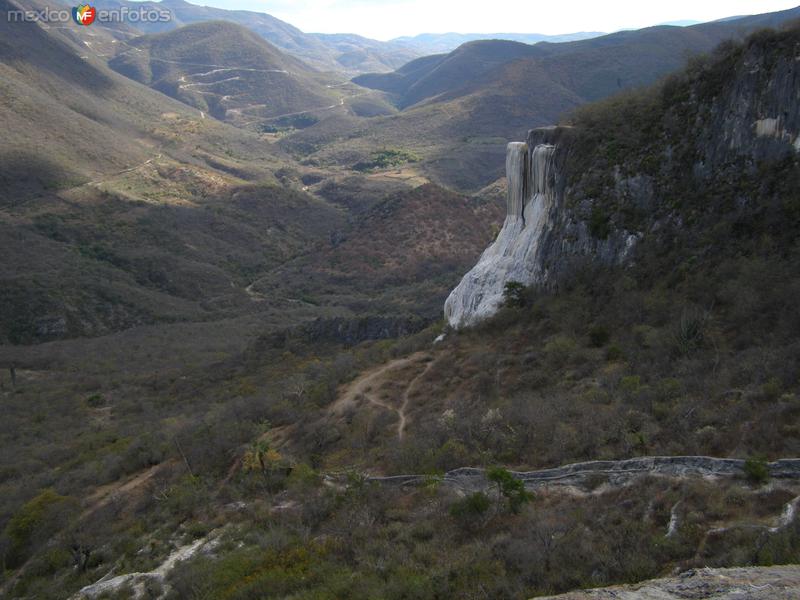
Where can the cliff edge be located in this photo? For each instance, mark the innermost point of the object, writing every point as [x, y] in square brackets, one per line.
[719, 140]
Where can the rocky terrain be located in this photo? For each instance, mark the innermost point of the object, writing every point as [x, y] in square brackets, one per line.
[571, 197]
[755, 583]
[621, 472]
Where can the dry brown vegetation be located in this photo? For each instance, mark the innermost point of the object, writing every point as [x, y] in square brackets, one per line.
[240, 311]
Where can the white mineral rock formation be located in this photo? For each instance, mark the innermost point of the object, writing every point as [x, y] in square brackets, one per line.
[109, 586]
[513, 256]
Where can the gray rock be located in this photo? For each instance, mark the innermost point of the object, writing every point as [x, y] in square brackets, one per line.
[513, 256]
[751, 120]
[750, 583]
[539, 238]
[614, 472]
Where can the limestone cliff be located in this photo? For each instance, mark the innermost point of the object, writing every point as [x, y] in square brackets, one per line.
[538, 235]
[721, 139]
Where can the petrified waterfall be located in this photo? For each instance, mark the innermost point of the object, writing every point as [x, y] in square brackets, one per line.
[514, 255]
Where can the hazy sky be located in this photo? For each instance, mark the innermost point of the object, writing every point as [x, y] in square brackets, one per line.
[385, 19]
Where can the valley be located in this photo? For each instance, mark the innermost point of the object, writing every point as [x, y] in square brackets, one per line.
[229, 367]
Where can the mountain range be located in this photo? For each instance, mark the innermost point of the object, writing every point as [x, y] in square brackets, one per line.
[343, 53]
[459, 109]
[436, 43]
[226, 70]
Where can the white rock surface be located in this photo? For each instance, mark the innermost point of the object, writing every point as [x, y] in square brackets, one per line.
[746, 583]
[111, 585]
[513, 255]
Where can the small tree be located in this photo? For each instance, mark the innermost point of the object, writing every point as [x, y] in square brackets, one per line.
[514, 294]
[756, 470]
[261, 458]
[37, 521]
[470, 511]
[598, 336]
[510, 487]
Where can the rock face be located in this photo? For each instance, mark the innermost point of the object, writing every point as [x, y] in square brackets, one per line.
[723, 136]
[111, 586]
[613, 472]
[347, 331]
[757, 116]
[480, 292]
[751, 583]
[537, 235]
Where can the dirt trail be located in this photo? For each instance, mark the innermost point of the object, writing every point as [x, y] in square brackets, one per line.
[401, 425]
[310, 110]
[123, 171]
[367, 385]
[104, 494]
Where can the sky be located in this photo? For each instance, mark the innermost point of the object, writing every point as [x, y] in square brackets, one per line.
[386, 19]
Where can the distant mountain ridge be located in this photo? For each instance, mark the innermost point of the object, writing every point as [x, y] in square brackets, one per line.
[434, 43]
[593, 67]
[485, 93]
[347, 52]
[429, 76]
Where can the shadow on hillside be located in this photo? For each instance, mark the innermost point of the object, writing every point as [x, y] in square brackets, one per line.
[25, 174]
[33, 46]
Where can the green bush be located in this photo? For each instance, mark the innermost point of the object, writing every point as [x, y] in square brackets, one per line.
[384, 159]
[614, 353]
[756, 470]
[510, 487]
[35, 522]
[96, 401]
[668, 389]
[49, 562]
[303, 478]
[598, 336]
[772, 389]
[514, 294]
[599, 223]
[690, 332]
[471, 510]
[559, 350]
[630, 384]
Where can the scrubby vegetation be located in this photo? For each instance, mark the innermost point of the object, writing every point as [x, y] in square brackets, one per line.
[121, 449]
[378, 543]
[387, 158]
[287, 124]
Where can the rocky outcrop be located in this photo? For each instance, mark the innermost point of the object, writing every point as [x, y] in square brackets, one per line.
[751, 583]
[346, 331]
[615, 472]
[757, 115]
[538, 237]
[369, 327]
[142, 584]
[720, 140]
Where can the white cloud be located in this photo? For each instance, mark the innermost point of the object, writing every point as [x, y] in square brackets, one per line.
[385, 19]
